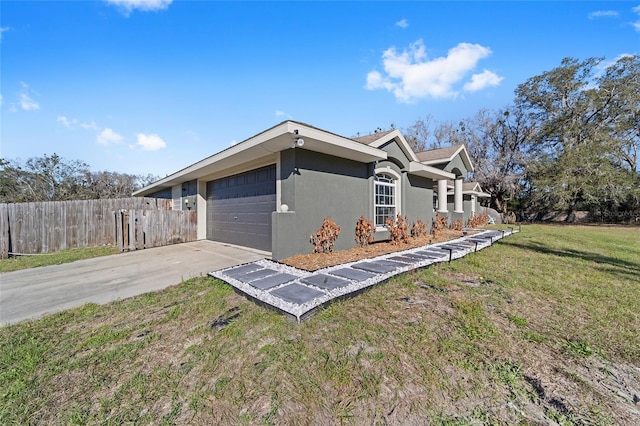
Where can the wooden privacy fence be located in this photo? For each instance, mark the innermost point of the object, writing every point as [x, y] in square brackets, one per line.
[139, 229]
[43, 227]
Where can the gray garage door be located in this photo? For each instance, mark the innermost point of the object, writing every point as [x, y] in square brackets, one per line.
[239, 208]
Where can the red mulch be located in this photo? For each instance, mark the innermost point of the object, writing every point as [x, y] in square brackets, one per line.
[315, 261]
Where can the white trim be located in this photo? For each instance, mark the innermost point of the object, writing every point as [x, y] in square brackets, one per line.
[420, 169]
[397, 198]
[402, 143]
[265, 144]
[466, 159]
[278, 183]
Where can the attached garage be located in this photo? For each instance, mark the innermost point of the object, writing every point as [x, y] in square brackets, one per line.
[239, 208]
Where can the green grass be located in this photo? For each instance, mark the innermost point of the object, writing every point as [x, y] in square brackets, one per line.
[551, 307]
[65, 256]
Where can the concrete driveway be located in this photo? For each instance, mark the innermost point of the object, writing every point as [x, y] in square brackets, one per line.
[30, 293]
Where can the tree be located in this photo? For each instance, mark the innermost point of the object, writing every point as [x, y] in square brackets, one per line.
[419, 135]
[585, 137]
[53, 178]
[499, 143]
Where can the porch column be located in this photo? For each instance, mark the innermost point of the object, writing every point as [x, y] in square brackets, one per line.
[474, 200]
[442, 196]
[457, 196]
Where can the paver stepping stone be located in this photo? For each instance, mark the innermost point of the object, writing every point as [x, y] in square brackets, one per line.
[325, 281]
[272, 281]
[379, 266]
[296, 293]
[256, 275]
[353, 274]
[241, 270]
[431, 254]
[452, 247]
[416, 256]
[404, 259]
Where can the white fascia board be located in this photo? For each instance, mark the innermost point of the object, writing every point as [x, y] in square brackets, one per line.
[472, 192]
[402, 142]
[328, 143]
[462, 150]
[420, 169]
[198, 169]
[267, 143]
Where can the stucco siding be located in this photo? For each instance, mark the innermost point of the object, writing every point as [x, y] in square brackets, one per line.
[457, 163]
[418, 196]
[315, 186]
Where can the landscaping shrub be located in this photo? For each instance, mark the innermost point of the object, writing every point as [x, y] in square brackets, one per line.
[325, 237]
[398, 230]
[478, 220]
[440, 223]
[419, 229]
[364, 232]
[457, 225]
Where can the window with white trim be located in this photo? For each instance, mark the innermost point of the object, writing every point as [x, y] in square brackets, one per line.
[385, 198]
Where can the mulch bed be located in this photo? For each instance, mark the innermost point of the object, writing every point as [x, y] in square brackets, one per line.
[314, 261]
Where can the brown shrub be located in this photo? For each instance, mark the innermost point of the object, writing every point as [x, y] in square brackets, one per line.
[457, 225]
[364, 232]
[325, 237]
[419, 229]
[478, 220]
[440, 223]
[398, 230]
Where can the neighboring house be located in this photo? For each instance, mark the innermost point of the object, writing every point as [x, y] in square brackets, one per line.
[273, 190]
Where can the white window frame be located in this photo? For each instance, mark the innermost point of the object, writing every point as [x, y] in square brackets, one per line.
[393, 182]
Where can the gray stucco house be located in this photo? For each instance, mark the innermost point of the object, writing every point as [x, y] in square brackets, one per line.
[273, 190]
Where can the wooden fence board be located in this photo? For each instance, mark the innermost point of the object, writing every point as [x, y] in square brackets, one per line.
[139, 229]
[43, 227]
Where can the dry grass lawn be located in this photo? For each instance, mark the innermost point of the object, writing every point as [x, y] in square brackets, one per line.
[541, 328]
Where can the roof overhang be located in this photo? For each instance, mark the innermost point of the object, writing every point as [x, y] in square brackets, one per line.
[473, 189]
[464, 155]
[420, 169]
[402, 143]
[263, 146]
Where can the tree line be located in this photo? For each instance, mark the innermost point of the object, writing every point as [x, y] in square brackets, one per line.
[53, 178]
[569, 141]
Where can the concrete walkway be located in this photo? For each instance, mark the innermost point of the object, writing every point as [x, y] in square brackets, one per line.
[299, 293]
[30, 293]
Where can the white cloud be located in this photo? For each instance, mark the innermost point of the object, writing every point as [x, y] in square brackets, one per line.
[127, 6]
[283, 114]
[90, 126]
[483, 80]
[603, 14]
[411, 75]
[25, 101]
[150, 142]
[636, 24]
[3, 29]
[72, 123]
[66, 122]
[108, 137]
[403, 23]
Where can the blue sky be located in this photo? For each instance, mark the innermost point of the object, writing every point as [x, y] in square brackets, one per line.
[152, 86]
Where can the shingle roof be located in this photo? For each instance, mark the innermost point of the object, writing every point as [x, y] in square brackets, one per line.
[367, 139]
[438, 154]
[469, 186]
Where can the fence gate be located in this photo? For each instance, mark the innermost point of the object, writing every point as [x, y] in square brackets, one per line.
[139, 229]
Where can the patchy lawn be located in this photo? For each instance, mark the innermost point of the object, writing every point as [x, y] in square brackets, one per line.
[57, 258]
[542, 327]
